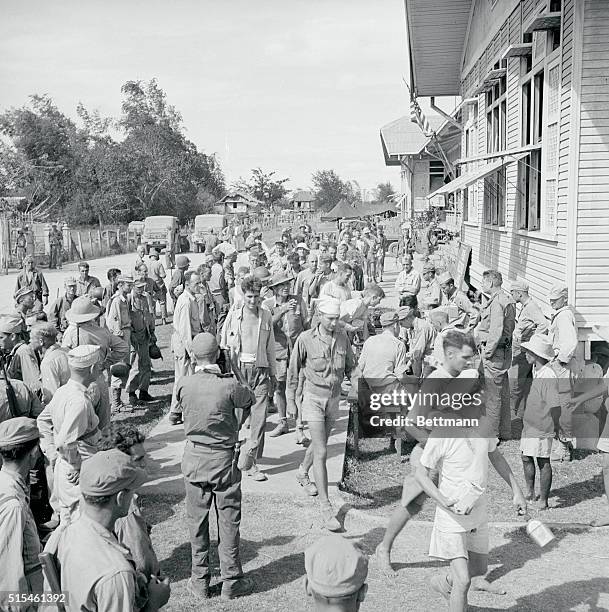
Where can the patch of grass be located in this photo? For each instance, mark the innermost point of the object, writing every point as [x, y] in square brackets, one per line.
[374, 481]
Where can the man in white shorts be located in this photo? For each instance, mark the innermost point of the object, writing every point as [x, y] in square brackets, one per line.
[460, 529]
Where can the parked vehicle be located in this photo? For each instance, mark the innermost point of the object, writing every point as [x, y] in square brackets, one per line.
[203, 223]
[158, 230]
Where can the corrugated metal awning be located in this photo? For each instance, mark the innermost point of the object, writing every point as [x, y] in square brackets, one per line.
[469, 178]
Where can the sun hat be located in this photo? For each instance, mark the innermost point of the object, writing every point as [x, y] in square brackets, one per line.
[82, 310]
[280, 279]
[540, 345]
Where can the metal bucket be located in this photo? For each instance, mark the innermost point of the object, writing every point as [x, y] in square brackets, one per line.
[540, 533]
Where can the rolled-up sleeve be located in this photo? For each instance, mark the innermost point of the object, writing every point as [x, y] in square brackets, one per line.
[116, 593]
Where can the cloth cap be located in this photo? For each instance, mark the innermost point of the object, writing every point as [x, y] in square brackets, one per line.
[182, 261]
[261, 273]
[11, 324]
[445, 277]
[124, 279]
[84, 356]
[17, 431]
[71, 281]
[302, 245]
[153, 253]
[329, 306]
[540, 345]
[429, 267]
[108, 472]
[82, 310]
[204, 345]
[519, 285]
[281, 242]
[280, 279]
[140, 282]
[335, 567]
[388, 318]
[23, 292]
[557, 291]
[404, 312]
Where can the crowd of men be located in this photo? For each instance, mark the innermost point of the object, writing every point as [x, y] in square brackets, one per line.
[257, 328]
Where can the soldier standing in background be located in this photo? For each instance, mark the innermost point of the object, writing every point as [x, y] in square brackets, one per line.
[20, 247]
[142, 335]
[530, 321]
[57, 312]
[56, 246]
[493, 335]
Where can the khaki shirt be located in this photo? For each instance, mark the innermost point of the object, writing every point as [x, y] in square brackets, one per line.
[563, 334]
[324, 361]
[54, 371]
[19, 543]
[383, 359]
[408, 282]
[96, 571]
[461, 312]
[83, 287]
[531, 320]
[430, 294]
[497, 323]
[119, 316]
[186, 323]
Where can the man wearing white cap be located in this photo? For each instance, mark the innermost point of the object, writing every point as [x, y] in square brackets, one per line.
[19, 542]
[563, 335]
[69, 428]
[324, 356]
[530, 320]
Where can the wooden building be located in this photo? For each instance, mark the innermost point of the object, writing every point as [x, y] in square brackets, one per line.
[425, 162]
[302, 202]
[236, 202]
[534, 174]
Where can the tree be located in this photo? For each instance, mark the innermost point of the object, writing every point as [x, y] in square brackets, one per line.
[264, 187]
[330, 189]
[84, 173]
[385, 192]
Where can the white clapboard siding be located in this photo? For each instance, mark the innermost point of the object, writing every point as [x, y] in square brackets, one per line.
[514, 254]
[592, 263]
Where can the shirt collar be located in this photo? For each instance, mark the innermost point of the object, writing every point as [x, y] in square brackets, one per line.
[76, 384]
[211, 367]
[101, 531]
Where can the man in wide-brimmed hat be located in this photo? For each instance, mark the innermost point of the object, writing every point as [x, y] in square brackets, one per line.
[83, 329]
[539, 430]
[290, 318]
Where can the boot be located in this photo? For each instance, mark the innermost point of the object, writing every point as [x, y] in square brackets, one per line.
[133, 398]
[237, 588]
[116, 402]
[280, 429]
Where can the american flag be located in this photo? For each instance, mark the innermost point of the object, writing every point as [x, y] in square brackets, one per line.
[417, 115]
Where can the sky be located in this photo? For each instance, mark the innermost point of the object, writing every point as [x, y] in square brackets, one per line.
[288, 85]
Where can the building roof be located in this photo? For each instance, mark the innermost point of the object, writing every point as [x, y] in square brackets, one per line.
[240, 197]
[343, 210]
[302, 196]
[404, 137]
[437, 32]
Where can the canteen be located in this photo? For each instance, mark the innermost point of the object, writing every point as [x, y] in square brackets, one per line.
[540, 533]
